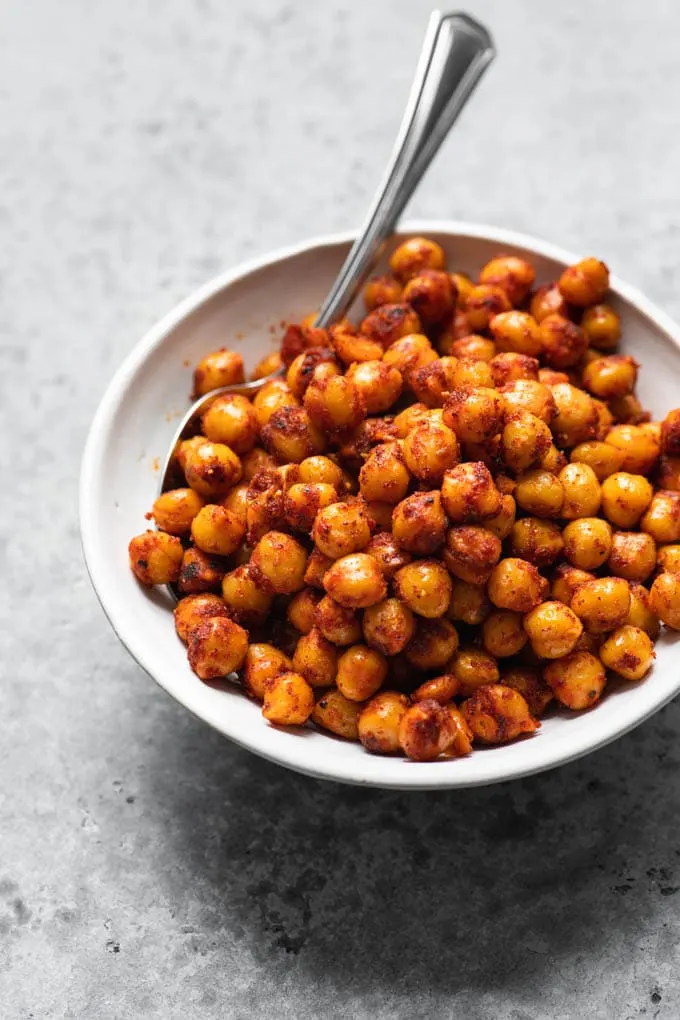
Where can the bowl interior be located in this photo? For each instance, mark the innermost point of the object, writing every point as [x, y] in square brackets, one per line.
[247, 310]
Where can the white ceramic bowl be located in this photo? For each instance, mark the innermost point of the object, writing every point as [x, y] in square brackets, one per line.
[245, 308]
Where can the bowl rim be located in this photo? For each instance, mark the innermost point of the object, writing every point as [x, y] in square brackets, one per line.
[296, 757]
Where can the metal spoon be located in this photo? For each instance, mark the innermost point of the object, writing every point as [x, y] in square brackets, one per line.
[455, 53]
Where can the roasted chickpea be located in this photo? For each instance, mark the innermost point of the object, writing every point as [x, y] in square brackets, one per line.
[603, 458]
[497, 713]
[174, 510]
[410, 353]
[553, 629]
[312, 365]
[576, 420]
[288, 700]
[221, 368]
[516, 584]
[517, 332]
[582, 493]
[627, 410]
[301, 610]
[610, 377]
[361, 672]
[431, 293]
[625, 497]
[462, 285]
[469, 602]
[355, 581]
[389, 323]
[479, 348]
[431, 382]
[661, 519]
[633, 555]
[291, 435]
[536, 540]
[668, 558]
[351, 347]
[231, 420]
[379, 722]
[277, 565]
[256, 460]
[321, 471]
[550, 377]
[335, 713]
[303, 501]
[336, 623]
[194, 609]
[670, 434]
[547, 300]
[475, 414]
[268, 365]
[264, 504]
[317, 565]
[469, 374]
[553, 460]
[563, 343]
[186, 446]
[513, 274]
[236, 501]
[263, 662]
[584, 283]
[469, 494]
[217, 647]
[485, 301]
[529, 395]
[382, 290]
[426, 730]
[155, 557]
[212, 468]
[429, 450]
[639, 448]
[503, 634]
[341, 529]
[587, 542]
[664, 599]
[425, 587]
[247, 603]
[384, 478]
[531, 686]
[629, 652]
[199, 572]
[388, 626]
[316, 659]
[577, 680]
[381, 515]
[540, 493]
[501, 524]
[640, 613]
[390, 556]
[297, 339]
[602, 327]
[525, 440]
[602, 604]
[454, 328]
[509, 366]
[473, 668]
[414, 255]
[217, 531]
[471, 553]
[419, 523]
[335, 404]
[432, 645]
[441, 688]
[378, 383]
[273, 396]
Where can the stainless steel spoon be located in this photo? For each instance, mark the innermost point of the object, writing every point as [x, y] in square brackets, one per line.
[455, 53]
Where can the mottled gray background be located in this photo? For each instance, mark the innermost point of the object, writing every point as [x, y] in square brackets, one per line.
[148, 868]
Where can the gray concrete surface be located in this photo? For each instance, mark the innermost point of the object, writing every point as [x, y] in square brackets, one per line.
[148, 868]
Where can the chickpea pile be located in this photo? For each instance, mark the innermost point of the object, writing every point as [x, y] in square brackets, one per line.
[436, 524]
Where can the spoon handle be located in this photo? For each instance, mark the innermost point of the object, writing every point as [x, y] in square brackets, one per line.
[456, 52]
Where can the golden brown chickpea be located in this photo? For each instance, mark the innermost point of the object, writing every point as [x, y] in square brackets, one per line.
[334, 404]
[550, 377]
[531, 686]
[379, 722]
[582, 493]
[217, 647]
[471, 553]
[503, 634]
[577, 680]
[382, 290]
[247, 604]
[576, 420]
[355, 581]
[525, 440]
[611, 376]
[288, 700]
[462, 734]
[217, 531]
[625, 497]
[529, 395]
[174, 510]
[378, 383]
[384, 477]
[469, 602]
[429, 450]
[509, 366]
[538, 541]
[432, 645]
[316, 659]
[414, 255]
[485, 301]
[633, 555]
[501, 524]
[255, 461]
[469, 494]
[262, 664]
[231, 420]
[513, 274]
[640, 613]
[221, 368]
[333, 712]
[603, 458]
[627, 410]
[301, 610]
[425, 587]
[462, 285]
[155, 557]
[497, 713]
[584, 283]
[381, 514]
[602, 604]
[317, 565]
[602, 327]
[553, 460]
[670, 434]
[390, 323]
[540, 493]
[388, 626]
[431, 382]
[212, 469]
[479, 348]
[187, 446]
[361, 672]
[639, 448]
[199, 572]
[441, 689]
[454, 328]
[194, 609]
[661, 519]
[668, 558]
[291, 435]
[432, 295]
[664, 599]
[322, 471]
[475, 414]
[273, 396]
[336, 623]
[605, 419]
[312, 365]
[267, 366]
[278, 563]
[470, 373]
[303, 501]
[587, 542]
[297, 339]
[547, 300]
[567, 580]
[628, 652]
[414, 414]
[351, 347]
[516, 584]
[264, 504]
[563, 343]
[236, 501]
[341, 529]
[553, 629]
[517, 332]
[473, 668]
[409, 353]
[419, 523]
[426, 731]
[390, 556]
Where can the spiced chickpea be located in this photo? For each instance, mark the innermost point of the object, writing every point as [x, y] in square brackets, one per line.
[361, 672]
[610, 377]
[382, 290]
[277, 564]
[525, 440]
[194, 609]
[334, 404]
[432, 295]
[273, 396]
[247, 603]
[628, 410]
[385, 549]
[199, 572]
[576, 419]
[540, 493]
[352, 347]
[553, 629]
[317, 565]
[455, 327]
[440, 688]
[633, 555]
[517, 332]
[501, 524]
[155, 557]
[553, 460]
[470, 373]
[174, 510]
[479, 348]
[625, 497]
[628, 652]
[432, 645]
[419, 523]
[529, 395]
[536, 540]
[664, 599]
[217, 531]
[429, 450]
[603, 458]
[431, 382]
[498, 713]
[409, 353]
[577, 680]
[469, 602]
[425, 587]
[236, 501]
[602, 327]
[516, 584]
[484, 302]
[255, 460]
[513, 274]
[414, 414]
[531, 686]
[388, 626]
[336, 623]
[563, 343]
[587, 542]
[640, 613]
[380, 514]
[302, 609]
[320, 470]
[475, 414]
[217, 647]
[472, 668]
[584, 283]
[221, 368]
[426, 731]
[311, 365]
[378, 383]
[342, 528]
[668, 558]
[582, 493]
[639, 447]
[288, 700]
[509, 366]
[291, 435]
[550, 377]
[462, 285]
[335, 713]
[414, 255]
[355, 581]
[379, 722]
[303, 501]
[661, 519]
[670, 434]
[300, 338]
[231, 419]
[267, 366]
[602, 604]
[503, 634]
[384, 477]
[389, 323]
[263, 662]
[469, 494]
[212, 468]
[547, 300]
[470, 553]
[316, 659]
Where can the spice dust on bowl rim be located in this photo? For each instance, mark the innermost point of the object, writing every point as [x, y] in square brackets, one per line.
[135, 422]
